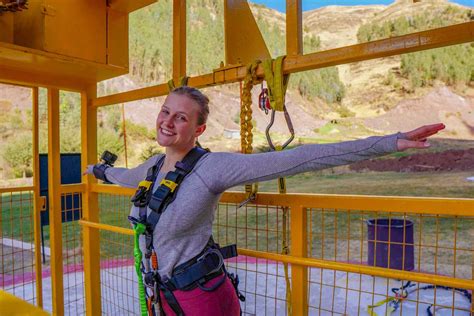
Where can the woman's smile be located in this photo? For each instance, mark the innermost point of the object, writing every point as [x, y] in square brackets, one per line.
[166, 132]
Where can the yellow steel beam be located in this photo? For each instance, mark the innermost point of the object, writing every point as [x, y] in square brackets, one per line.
[32, 67]
[110, 228]
[363, 269]
[73, 188]
[445, 36]
[299, 273]
[391, 204]
[54, 183]
[128, 6]
[33, 78]
[117, 38]
[90, 204]
[12, 305]
[16, 189]
[110, 189]
[243, 41]
[179, 39]
[36, 196]
[294, 28]
[409, 205]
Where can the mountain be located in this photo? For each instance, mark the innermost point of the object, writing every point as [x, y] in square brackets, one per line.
[346, 101]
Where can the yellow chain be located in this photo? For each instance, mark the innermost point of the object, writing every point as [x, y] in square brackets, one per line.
[246, 125]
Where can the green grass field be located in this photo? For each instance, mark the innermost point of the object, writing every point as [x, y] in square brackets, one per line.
[333, 235]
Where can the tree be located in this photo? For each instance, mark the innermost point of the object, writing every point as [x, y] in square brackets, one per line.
[19, 155]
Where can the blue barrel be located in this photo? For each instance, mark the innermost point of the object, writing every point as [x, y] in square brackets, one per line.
[390, 243]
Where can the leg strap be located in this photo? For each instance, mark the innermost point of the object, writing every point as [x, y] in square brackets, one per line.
[171, 300]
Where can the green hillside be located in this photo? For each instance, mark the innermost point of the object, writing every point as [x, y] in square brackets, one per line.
[151, 47]
[151, 62]
[451, 65]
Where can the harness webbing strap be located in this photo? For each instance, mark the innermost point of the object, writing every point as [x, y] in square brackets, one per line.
[143, 193]
[172, 301]
[197, 271]
[276, 82]
[168, 188]
[210, 262]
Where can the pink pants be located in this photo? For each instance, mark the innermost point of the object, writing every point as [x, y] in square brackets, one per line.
[222, 301]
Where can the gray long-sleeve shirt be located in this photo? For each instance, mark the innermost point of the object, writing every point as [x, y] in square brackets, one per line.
[186, 225]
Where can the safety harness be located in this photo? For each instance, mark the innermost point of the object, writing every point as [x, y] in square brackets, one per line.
[206, 266]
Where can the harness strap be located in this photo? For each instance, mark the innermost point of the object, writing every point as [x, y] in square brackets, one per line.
[211, 262]
[276, 82]
[166, 192]
[171, 300]
[142, 195]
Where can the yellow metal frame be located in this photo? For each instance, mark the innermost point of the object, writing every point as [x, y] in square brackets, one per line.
[54, 183]
[34, 68]
[445, 36]
[36, 197]
[179, 39]
[90, 204]
[299, 204]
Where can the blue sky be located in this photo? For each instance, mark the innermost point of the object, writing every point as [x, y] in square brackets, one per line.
[280, 5]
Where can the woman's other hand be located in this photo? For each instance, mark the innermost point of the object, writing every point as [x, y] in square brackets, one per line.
[418, 138]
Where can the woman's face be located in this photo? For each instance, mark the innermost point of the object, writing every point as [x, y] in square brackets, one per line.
[177, 123]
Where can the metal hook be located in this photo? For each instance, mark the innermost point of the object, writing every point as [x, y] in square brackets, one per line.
[288, 123]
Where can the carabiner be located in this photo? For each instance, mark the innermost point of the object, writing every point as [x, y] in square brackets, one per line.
[263, 100]
[290, 128]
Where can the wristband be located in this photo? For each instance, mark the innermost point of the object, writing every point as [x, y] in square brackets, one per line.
[99, 171]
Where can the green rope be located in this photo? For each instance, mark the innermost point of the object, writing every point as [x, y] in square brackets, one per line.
[137, 253]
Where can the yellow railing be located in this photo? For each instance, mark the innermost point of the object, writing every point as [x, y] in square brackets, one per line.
[18, 265]
[327, 233]
[327, 236]
[21, 269]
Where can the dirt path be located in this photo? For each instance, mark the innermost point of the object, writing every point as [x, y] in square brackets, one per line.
[450, 160]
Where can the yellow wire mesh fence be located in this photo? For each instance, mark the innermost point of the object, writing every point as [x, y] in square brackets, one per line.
[430, 257]
[17, 245]
[358, 262]
[17, 266]
[434, 245]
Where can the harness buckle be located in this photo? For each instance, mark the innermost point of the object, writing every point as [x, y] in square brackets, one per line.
[145, 184]
[168, 183]
[216, 252]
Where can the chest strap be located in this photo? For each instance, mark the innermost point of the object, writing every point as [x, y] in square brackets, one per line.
[166, 191]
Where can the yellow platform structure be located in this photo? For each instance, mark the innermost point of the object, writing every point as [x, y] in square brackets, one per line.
[14, 306]
[72, 45]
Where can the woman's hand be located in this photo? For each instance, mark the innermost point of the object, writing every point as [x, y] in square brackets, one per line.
[417, 138]
[89, 170]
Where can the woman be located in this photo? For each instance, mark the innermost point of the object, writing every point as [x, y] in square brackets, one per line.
[184, 228]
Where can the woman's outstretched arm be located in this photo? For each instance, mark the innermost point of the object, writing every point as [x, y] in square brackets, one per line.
[129, 178]
[221, 171]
